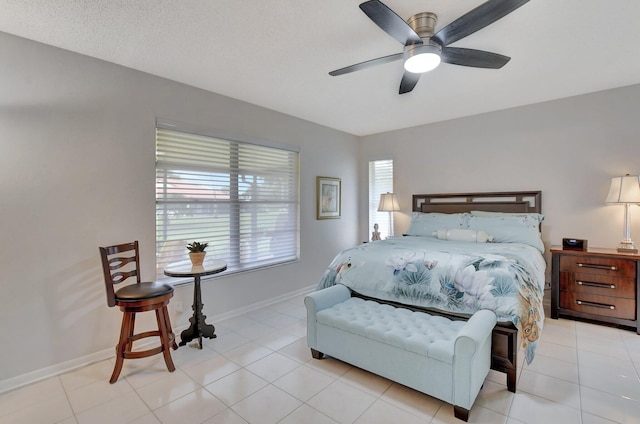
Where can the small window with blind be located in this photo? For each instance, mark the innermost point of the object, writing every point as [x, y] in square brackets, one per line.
[380, 181]
[240, 197]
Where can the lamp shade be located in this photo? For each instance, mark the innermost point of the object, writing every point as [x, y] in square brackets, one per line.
[388, 203]
[624, 190]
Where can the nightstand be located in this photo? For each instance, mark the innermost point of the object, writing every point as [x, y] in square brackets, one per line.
[596, 284]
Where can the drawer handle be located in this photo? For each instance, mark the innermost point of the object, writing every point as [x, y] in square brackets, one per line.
[607, 267]
[595, 305]
[599, 285]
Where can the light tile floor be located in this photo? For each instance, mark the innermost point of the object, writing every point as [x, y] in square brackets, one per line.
[259, 370]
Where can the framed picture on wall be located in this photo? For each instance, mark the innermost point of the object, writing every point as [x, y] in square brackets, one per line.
[329, 197]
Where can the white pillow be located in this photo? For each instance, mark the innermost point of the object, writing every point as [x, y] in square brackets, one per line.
[511, 229]
[458, 234]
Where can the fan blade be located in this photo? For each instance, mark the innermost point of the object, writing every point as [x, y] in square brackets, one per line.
[409, 80]
[483, 15]
[390, 23]
[368, 64]
[474, 58]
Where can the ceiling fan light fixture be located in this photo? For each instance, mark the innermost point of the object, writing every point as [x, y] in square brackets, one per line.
[420, 58]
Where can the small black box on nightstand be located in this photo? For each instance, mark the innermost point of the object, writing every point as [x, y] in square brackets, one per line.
[574, 244]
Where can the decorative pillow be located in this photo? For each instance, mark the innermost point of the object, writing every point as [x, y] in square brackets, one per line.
[458, 234]
[424, 224]
[511, 228]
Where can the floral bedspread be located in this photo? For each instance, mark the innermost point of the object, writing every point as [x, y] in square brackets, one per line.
[459, 277]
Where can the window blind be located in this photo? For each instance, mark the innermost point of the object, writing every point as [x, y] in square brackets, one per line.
[380, 181]
[241, 198]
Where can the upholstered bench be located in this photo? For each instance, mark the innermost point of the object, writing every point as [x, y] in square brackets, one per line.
[443, 358]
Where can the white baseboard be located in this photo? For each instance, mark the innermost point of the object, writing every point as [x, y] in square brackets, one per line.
[73, 364]
[53, 370]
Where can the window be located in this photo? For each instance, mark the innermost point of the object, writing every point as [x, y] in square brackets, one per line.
[240, 197]
[380, 181]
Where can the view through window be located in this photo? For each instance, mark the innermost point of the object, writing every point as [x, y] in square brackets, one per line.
[240, 197]
[380, 181]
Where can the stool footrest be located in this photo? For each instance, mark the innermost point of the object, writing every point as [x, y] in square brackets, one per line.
[128, 354]
[154, 333]
[143, 353]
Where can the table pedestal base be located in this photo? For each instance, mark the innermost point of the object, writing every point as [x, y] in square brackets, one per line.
[197, 330]
[198, 327]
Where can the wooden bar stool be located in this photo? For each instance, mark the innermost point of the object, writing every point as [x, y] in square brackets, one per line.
[119, 263]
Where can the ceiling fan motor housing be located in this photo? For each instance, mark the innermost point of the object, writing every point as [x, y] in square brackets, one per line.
[423, 24]
[419, 58]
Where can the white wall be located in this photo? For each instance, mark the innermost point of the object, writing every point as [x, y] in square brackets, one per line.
[568, 148]
[77, 172]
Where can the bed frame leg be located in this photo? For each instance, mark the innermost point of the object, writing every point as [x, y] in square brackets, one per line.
[461, 413]
[316, 354]
[511, 380]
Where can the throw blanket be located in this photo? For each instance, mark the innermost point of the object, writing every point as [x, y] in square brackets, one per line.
[458, 277]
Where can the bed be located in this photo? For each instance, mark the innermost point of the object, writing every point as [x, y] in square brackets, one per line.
[462, 252]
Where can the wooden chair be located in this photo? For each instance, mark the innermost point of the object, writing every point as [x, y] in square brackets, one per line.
[119, 263]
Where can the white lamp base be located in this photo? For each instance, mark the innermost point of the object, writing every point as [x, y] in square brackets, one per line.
[627, 247]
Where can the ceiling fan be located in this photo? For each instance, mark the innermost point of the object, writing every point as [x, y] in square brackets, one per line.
[424, 49]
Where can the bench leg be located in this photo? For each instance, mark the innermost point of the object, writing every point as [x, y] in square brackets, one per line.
[461, 413]
[511, 380]
[316, 354]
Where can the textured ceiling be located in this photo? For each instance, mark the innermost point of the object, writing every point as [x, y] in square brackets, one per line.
[277, 53]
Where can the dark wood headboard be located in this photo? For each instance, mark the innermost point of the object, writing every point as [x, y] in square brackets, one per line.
[505, 201]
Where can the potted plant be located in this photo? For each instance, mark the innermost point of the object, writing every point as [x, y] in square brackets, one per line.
[196, 252]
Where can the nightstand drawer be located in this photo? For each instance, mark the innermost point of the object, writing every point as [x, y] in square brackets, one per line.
[599, 305]
[598, 266]
[601, 285]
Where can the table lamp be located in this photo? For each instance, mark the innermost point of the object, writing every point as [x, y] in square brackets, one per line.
[625, 191]
[389, 203]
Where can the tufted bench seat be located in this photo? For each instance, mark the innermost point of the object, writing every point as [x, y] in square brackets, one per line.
[443, 358]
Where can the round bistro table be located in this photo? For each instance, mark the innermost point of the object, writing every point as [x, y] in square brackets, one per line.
[198, 328]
